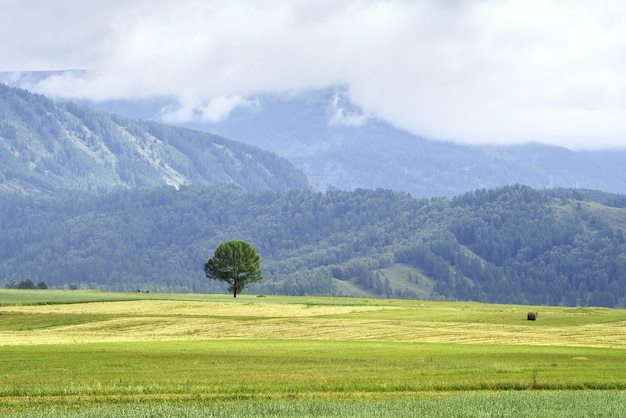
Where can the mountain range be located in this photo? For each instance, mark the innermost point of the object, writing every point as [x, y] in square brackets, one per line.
[508, 245]
[93, 199]
[337, 145]
[47, 146]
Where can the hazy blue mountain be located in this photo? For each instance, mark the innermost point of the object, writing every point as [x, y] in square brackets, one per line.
[47, 146]
[336, 145]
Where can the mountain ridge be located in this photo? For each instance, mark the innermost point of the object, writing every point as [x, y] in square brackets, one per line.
[47, 146]
[509, 245]
[339, 146]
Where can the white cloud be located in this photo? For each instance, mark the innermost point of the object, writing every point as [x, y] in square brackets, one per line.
[496, 71]
[339, 115]
[215, 110]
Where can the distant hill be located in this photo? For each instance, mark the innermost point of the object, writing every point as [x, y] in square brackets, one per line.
[337, 145]
[47, 146]
[507, 245]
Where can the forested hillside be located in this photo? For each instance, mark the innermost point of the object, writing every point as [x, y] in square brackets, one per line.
[510, 245]
[46, 147]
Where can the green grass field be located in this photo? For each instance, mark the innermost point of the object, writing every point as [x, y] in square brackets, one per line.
[79, 353]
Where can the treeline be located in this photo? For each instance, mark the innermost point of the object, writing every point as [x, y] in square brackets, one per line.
[25, 284]
[509, 245]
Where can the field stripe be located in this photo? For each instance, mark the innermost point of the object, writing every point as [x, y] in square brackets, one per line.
[162, 320]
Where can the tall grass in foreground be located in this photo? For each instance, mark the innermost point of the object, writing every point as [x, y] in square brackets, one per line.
[503, 404]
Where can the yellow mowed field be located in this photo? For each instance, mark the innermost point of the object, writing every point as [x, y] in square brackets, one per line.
[258, 319]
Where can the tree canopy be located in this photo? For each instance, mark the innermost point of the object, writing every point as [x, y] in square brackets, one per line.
[236, 263]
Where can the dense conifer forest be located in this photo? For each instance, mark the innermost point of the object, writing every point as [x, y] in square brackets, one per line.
[510, 245]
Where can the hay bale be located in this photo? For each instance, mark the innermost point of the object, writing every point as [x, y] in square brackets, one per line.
[532, 316]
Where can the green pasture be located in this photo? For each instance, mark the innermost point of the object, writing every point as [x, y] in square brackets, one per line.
[258, 368]
[104, 354]
[50, 297]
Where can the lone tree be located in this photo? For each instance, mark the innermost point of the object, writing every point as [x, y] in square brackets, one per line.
[236, 263]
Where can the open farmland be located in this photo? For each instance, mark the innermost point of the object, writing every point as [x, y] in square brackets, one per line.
[213, 350]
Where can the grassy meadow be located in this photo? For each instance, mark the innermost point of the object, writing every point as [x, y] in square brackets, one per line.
[79, 353]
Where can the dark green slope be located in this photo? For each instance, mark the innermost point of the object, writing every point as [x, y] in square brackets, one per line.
[508, 245]
[47, 146]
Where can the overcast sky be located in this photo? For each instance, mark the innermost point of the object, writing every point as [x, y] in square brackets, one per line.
[481, 71]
